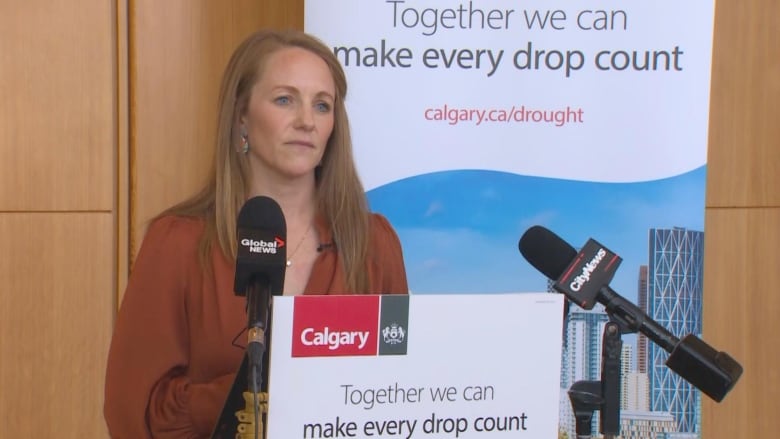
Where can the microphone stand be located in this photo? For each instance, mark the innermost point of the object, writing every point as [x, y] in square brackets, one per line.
[251, 420]
[604, 395]
[710, 371]
[244, 413]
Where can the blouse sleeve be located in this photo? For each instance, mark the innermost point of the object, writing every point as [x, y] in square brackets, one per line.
[147, 392]
[389, 270]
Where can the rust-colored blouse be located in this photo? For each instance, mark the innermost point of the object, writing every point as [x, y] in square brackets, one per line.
[172, 360]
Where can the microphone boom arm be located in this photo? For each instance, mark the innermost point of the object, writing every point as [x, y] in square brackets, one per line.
[633, 319]
[710, 371]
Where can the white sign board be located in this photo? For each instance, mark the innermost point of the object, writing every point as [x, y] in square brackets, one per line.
[419, 366]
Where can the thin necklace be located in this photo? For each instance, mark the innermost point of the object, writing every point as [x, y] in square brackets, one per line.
[289, 259]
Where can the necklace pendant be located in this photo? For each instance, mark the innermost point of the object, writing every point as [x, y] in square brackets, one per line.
[289, 260]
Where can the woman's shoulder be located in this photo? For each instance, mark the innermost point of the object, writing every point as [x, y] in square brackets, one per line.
[379, 222]
[381, 229]
[177, 224]
[177, 230]
[386, 255]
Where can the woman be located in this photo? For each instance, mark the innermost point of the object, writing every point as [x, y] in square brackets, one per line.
[283, 133]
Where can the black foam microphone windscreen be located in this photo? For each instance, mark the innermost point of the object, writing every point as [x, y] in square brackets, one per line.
[262, 251]
[546, 251]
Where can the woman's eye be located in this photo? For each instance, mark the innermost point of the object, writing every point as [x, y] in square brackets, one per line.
[282, 100]
[322, 107]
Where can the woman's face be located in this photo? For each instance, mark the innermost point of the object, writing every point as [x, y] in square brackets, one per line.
[289, 118]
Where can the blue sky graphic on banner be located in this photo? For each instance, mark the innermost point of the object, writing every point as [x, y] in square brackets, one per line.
[475, 120]
[460, 229]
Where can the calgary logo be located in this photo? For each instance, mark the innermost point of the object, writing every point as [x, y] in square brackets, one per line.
[393, 334]
[334, 339]
[353, 325]
[261, 246]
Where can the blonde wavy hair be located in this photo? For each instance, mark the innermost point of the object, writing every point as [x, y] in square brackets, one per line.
[341, 198]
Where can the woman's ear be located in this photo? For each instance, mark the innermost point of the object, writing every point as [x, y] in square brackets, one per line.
[244, 139]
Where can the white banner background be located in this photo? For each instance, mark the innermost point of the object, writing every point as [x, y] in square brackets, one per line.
[652, 122]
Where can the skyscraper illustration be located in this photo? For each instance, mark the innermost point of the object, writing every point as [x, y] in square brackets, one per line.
[583, 345]
[581, 360]
[641, 339]
[674, 299]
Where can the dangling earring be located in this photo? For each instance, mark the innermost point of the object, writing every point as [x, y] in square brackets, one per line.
[244, 141]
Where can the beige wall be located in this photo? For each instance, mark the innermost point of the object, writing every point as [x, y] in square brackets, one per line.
[106, 115]
[57, 189]
[97, 100]
[742, 223]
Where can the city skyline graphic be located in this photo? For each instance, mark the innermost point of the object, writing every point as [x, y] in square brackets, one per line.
[460, 230]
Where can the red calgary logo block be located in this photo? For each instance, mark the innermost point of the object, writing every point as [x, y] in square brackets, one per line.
[329, 326]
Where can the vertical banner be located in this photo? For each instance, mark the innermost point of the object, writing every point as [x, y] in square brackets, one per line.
[474, 120]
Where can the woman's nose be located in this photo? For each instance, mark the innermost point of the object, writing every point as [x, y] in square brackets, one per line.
[305, 117]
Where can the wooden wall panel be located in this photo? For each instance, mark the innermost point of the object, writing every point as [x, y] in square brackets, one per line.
[178, 50]
[56, 314]
[742, 266]
[742, 226]
[744, 165]
[122, 175]
[56, 105]
[58, 143]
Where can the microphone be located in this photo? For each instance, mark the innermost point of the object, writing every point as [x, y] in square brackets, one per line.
[584, 276]
[260, 268]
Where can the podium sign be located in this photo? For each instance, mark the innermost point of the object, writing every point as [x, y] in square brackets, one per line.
[418, 366]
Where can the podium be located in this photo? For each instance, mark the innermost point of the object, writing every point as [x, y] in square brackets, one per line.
[460, 366]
